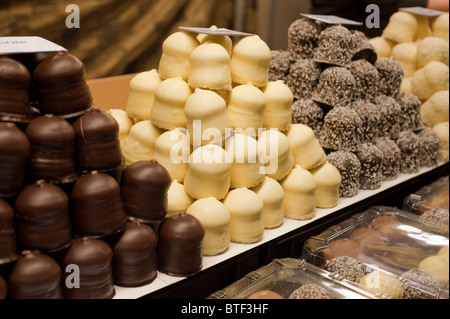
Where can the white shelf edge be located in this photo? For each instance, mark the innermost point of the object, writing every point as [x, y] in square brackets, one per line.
[162, 280]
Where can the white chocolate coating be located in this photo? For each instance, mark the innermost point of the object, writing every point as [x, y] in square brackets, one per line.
[142, 95]
[223, 40]
[431, 78]
[140, 143]
[383, 282]
[168, 108]
[328, 180]
[436, 109]
[406, 86]
[438, 267]
[247, 169]
[208, 173]
[246, 209]
[443, 251]
[215, 218]
[210, 67]
[246, 108]
[172, 150]
[423, 27]
[272, 195]
[209, 108]
[299, 201]
[250, 61]
[432, 49]
[177, 199]
[176, 50]
[275, 154]
[382, 46]
[278, 112]
[442, 130]
[305, 147]
[439, 27]
[402, 27]
[406, 54]
[125, 123]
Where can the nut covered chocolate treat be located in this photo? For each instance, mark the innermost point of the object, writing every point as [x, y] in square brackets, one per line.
[134, 260]
[362, 48]
[144, 188]
[370, 116]
[61, 87]
[349, 268]
[8, 244]
[392, 156]
[391, 76]
[180, 245]
[97, 208]
[97, 142]
[411, 117]
[429, 147]
[14, 151]
[93, 260]
[409, 144]
[303, 35]
[35, 276]
[52, 155]
[42, 217]
[335, 46]
[279, 65]
[310, 291]
[335, 88]
[366, 79]
[371, 159]
[303, 78]
[15, 81]
[349, 166]
[391, 113]
[307, 112]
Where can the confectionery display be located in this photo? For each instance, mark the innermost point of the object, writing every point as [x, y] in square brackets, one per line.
[384, 283]
[349, 167]
[35, 276]
[97, 209]
[178, 200]
[279, 100]
[392, 157]
[310, 291]
[334, 46]
[442, 130]
[93, 258]
[389, 124]
[436, 109]
[371, 159]
[303, 78]
[134, 261]
[246, 223]
[265, 294]
[420, 284]
[215, 219]
[125, 123]
[348, 267]
[279, 65]
[42, 217]
[303, 36]
[8, 247]
[223, 40]
[437, 266]
[272, 194]
[179, 248]
[328, 180]
[409, 144]
[366, 77]
[306, 111]
[335, 88]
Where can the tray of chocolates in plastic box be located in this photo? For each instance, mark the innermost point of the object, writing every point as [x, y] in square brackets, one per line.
[391, 239]
[431, 202]
[291, 278]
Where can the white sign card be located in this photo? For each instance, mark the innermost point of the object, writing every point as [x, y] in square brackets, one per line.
[216, 31]
[331, 19]
[422, 11]
[27, 44]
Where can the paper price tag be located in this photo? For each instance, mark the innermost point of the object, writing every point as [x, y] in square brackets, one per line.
[216, 31]
[422, 11]
[27, 44]
[331, 19]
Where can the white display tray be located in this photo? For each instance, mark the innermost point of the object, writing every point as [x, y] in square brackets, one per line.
[234, 249]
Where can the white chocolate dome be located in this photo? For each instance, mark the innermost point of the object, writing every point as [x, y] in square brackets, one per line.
[305, 147]
[168, 108]
[432, 49]
[215, 218]
[208, 173]
[438, 267]
[275, 154]
[406, 54]
[250, 61]
[246, 106]
[279, 98]
[431, 78]
[246, 209]
[247, 169]
[142, 95]
[328, 180]
[172, 150]
[176, 50]
[423, 27]
[223, 40]
[210, 67]
[402, 27]
[206, 115]
[272, 195]
[299, 201]
[439, 27]
[382, 46]
[125, 123]
[140, 143]
[177, 199]
[436, 109]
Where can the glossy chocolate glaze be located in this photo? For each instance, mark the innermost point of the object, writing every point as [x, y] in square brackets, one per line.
[93, 259]
[144, 188]
[97, 141]
[14, 152]
[97, 208]
[35, 276]
[61, 87]
[180, 245]
[8, 244]
[52, 155]
[42, 214]
[134, 256]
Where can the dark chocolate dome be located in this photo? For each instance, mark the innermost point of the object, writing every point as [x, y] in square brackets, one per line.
[61, 87]
[97, 141]
[15, 80]
[97, 208]
[134, 256]
[35, 276]
[14, 152]
[93, 260]
[42, 212]
[52, 156]
[144, 188]
[180, 245]
[8, 244]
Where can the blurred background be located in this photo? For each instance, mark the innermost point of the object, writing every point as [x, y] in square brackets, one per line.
[119, 37]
